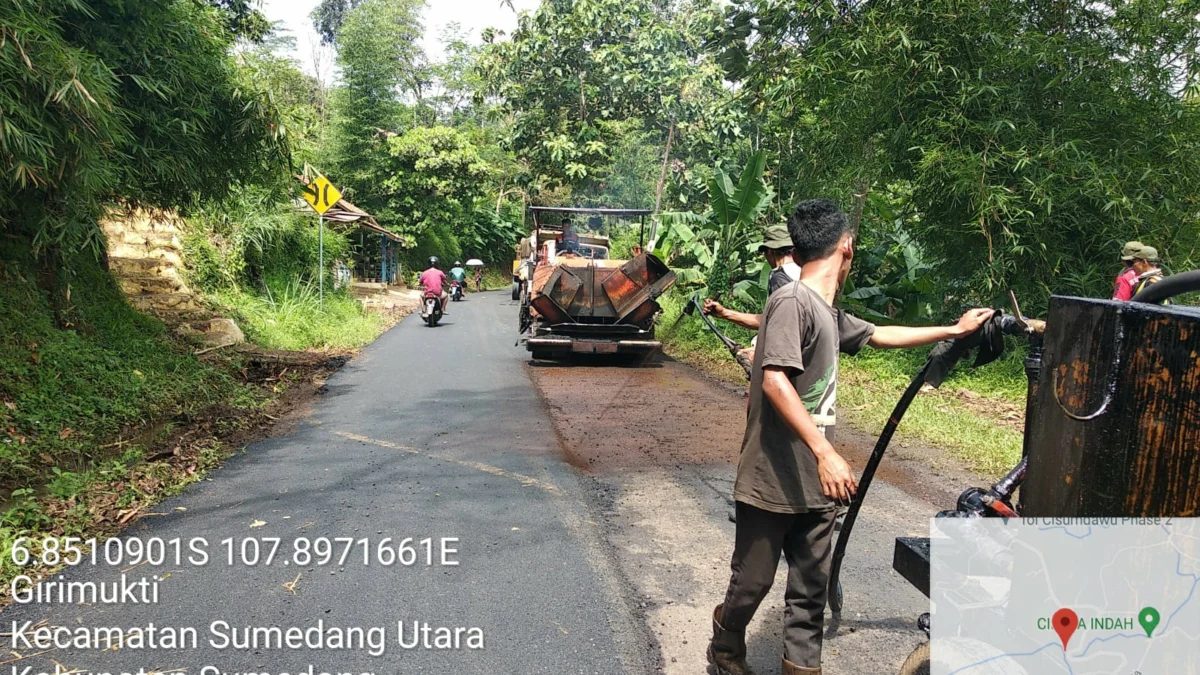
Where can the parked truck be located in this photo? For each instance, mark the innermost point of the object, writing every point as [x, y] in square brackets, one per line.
[574, 298]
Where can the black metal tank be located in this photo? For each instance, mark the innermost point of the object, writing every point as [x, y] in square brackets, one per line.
[1115, 431]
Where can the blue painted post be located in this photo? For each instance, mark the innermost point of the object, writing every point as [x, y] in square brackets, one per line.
[382, 258]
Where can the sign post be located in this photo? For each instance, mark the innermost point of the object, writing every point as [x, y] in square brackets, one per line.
[321, 195]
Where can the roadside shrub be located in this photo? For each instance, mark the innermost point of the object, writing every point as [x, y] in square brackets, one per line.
[289, 314]
[82, 364]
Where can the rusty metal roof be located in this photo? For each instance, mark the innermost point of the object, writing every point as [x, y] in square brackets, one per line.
[591, 212]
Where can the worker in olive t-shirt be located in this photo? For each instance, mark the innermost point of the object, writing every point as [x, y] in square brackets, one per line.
[790, 480]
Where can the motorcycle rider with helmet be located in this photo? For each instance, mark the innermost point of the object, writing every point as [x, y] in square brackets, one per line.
[458, 275]
[433, 280]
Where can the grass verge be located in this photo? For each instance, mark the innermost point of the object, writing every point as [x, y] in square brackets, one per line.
[78, 365]
[976, 415]
[292, 316]
[102, 413]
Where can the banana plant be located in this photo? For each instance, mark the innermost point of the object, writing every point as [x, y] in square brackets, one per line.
[896, 278]
[707, 250]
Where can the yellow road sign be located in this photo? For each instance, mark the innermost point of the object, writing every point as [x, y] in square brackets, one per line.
[321, 194]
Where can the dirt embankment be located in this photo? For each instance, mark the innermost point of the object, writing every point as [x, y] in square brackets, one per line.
[179, 451]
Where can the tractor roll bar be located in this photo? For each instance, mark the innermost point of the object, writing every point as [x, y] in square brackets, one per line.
[639, 213]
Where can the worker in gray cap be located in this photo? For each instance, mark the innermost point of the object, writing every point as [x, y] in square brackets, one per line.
[1123, 286]
[1145, 263]
[776, 247]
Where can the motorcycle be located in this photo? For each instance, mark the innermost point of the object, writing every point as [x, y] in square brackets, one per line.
[431, 309]
[456, 291]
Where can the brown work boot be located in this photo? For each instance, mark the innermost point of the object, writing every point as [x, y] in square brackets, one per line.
[727, 651]
[790, 668]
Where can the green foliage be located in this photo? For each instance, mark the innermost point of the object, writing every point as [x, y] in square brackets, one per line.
[109, 101]
[716, 246]
[1034, 138]
[74, 373]
[457, 82]
[433, 175]
[243, 19]
[630, 179]
[433, 187]
[300, 99]
[899, 285]
[411, 143]
[623, 239]
[894, 279]
[289, 314]
[243, 240]
[257, 258]
[573, 67]
[66, 484]
[489, 236]
[378, 55]
[328, 17]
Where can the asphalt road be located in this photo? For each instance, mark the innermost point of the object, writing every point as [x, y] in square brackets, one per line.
[430, 432]
[578, 554]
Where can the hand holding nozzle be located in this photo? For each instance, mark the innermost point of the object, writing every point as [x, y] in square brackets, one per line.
[711, 306]
[1017, 324]
[714, 308]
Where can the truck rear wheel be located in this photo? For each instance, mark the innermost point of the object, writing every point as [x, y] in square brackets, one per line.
[516, 290]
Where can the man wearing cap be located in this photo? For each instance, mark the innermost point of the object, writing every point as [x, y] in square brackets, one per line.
[1145, 264]
[777, 249]
[1123, 286]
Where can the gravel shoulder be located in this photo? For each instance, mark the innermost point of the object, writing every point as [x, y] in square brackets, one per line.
[659, 446]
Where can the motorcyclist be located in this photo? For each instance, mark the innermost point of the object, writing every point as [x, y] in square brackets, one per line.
[433, 280]
[458, 274]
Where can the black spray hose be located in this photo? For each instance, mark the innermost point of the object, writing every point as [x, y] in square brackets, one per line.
[864, 483]
[735, 349]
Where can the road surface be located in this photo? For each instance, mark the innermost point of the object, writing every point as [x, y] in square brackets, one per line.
[590, 507]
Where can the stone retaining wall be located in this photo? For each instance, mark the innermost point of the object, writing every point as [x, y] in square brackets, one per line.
[145, 256]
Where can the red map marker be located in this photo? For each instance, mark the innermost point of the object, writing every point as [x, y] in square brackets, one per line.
[1065, 622]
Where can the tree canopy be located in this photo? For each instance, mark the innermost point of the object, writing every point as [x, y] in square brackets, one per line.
[576, 72]
[107, 101]
[981, 145]
[1028, 139]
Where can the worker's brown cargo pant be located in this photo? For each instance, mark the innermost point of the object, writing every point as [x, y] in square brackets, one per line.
[805, 539]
